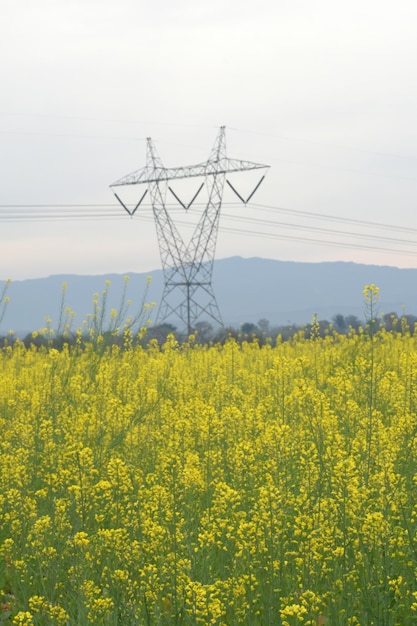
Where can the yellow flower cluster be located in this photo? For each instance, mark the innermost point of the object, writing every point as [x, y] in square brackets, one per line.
[210, 485]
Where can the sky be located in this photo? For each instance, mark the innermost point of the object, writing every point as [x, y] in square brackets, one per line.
[324, 92]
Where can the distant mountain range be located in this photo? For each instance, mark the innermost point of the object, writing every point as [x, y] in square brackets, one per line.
[246, 290]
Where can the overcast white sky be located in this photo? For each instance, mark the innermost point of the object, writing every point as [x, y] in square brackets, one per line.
[323, 91]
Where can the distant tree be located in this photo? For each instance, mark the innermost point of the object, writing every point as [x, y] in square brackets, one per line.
[339, 322]
[390, 321]
[36, 339]
[161, 331]
[323, 327]
[285, 332]
[264, 325]
[352, 321]
[204, 331]
[408, 323]
[223, 334]
[248, 328]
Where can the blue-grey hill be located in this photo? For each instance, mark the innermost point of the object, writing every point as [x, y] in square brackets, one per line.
[246, 289]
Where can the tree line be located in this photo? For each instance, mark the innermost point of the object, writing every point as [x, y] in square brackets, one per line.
[263, 332]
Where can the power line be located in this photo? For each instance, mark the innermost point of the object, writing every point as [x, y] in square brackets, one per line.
[322, 230]
[253, 233]
[338, 244]
[262, 207]
[108, 211]
[335, 218]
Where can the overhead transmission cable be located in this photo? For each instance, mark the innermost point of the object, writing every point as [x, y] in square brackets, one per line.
[68, 211]
[335, 218]
[5, 211]
[31, 212]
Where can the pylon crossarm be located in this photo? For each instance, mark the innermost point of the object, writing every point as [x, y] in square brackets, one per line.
[209, 168]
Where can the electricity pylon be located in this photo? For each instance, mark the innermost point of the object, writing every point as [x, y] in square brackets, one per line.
[187, 268]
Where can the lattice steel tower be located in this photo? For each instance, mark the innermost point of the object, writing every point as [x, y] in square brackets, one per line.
[187, 268]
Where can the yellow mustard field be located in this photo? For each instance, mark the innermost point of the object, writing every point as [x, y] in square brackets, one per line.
[227, 484]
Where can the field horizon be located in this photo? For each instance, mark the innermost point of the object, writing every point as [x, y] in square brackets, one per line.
[247, 290]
